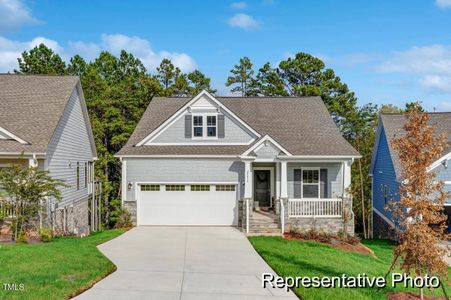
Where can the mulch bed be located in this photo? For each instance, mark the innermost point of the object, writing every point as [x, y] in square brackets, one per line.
[6, 239]
[411, 296]
[335, 243]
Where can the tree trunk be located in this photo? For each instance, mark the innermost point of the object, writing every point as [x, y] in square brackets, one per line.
[362, 193]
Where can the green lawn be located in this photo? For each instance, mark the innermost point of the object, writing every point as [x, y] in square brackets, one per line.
[54, 270]
[301, 258]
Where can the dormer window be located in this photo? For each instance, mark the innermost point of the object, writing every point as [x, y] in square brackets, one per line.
[198, 128]
[211, 126]
[205, 126]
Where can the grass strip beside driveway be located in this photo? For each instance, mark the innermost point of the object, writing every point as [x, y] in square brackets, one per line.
[54, 270]
[303, 258]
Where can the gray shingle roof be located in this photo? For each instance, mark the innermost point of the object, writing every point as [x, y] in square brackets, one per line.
[301, 125]
[30, 108]
[393, 126]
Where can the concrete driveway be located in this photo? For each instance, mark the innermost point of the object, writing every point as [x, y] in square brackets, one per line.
[183, 263]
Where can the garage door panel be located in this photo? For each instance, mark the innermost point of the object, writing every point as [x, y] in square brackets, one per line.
[187, 207]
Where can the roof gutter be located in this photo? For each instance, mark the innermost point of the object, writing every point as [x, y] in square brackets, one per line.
[295, 157]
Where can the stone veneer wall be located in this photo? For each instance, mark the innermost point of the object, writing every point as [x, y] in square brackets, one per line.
[72, 219]
[327, 225]
[381, 229]
[131, 207]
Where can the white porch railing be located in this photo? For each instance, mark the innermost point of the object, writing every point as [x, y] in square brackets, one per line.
[322, 208]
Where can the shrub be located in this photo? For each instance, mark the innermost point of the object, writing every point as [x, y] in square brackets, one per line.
[21, 238]
[46, 235]
[124, 219]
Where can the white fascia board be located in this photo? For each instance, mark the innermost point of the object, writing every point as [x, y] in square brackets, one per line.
[262, 141]
[13, 136]
[86, 119]
[437, 163]
[201, 143]
[178, 156]
[390, 222]
[326, 157]
[182, 110]
[376, 144]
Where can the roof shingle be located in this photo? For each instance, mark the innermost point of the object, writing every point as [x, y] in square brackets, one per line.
[301, 125]
[30, 108]
[393, 125]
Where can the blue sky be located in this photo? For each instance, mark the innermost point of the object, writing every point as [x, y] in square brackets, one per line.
[386, 51]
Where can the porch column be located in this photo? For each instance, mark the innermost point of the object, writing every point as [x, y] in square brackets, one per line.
[283, 180]
[32, 162]
[124, 181]
[248, 179]
[346, 178]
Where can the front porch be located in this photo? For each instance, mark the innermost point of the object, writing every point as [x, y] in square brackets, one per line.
[302, 193]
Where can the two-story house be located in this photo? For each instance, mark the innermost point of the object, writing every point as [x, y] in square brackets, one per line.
[44, 123]
[386, 170]
[238, 161]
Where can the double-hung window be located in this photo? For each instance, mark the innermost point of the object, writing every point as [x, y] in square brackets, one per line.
[205, 126]
[211, 126]
[198, 126]
[310, 183]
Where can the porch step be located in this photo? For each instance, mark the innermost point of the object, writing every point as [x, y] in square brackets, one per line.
[263, 225]
[265, 232]
[260, 221]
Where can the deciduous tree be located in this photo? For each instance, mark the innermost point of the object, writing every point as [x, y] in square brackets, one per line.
[25, 190]
[419, 211]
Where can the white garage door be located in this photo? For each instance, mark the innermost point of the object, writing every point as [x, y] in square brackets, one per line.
[187, 204]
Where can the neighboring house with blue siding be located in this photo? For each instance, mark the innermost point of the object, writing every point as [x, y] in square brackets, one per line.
[386, 170]
[238, 161]
[44, 122]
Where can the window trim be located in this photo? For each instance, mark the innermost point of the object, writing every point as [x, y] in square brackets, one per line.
[225, 188]
[318, 169]
[150, 188]
[86, 174]
[78, 175]
[204, 126]
[200, 187]
[182, 189]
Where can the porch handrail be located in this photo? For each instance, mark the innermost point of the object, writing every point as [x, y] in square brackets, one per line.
[315, 207]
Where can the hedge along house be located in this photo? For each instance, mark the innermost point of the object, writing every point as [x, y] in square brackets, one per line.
[258, 163]
[386, 170]
[44, 123]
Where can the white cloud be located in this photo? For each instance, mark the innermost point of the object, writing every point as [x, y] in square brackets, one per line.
[13, 15]
[421, 60]
[436, 82]
[431, 63]
[243, 21]
[239, 5]
[114, 43]
[11, 50]
[443, 3]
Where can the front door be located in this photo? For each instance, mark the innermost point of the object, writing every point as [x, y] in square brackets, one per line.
[262, 187]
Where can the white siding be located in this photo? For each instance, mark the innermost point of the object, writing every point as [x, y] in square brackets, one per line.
[267, 152]
[234, 133]
[334, 177]
[70, 144]
[182, 170]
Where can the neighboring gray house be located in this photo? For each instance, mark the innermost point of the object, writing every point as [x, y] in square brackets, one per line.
[44, 122]
[237, 161]
[386, 169]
